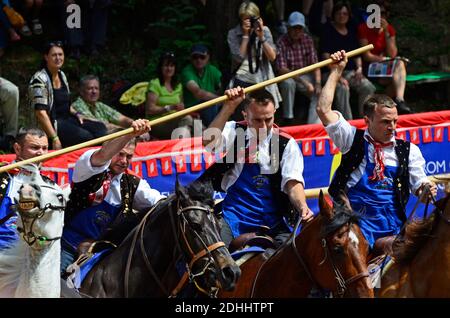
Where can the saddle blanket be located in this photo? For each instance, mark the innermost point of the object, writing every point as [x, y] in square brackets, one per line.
[376, 268]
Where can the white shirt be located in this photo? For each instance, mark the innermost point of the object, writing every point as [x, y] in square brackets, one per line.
[144, 198]
[342, 134]
[291, 163]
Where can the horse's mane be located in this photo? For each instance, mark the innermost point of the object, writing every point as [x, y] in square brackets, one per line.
[416, 234]
[125, 223]
[342, 215]
[202, 191]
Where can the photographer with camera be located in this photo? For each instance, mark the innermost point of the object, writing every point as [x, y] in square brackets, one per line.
[252, 49]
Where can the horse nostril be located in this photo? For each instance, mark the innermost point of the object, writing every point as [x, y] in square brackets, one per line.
[230, 276]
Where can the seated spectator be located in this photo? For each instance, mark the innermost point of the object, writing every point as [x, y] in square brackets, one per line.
[9, 111]
[201, 82]
[340, 34]
[296, 50]
[31, 10]
[49, 96]
[252, 50]
[88, 106]
[385, 47]
[164, 96]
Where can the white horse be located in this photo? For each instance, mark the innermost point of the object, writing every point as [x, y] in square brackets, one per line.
[30, 267]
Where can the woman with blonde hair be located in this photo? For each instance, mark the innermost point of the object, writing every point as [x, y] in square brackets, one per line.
[252, 49]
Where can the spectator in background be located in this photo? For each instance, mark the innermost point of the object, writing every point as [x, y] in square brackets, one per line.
[7, 31]
[31, 10]
[385, 48]
[252, 50]
[201, 82]
[296, 50]
[88, 106]
[340, 34]
[164, 96]
[49, 95]
[92, 35]
[9, 111]
[317, 13]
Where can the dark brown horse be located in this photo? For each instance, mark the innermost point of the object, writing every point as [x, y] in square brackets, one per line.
[181, 233]
[329, 253]
[422, 258]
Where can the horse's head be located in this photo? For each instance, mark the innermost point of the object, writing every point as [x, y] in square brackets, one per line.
[40, 208]
[211, 264]
[340, 251]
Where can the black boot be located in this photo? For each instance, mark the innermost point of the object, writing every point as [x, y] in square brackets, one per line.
[402, 108]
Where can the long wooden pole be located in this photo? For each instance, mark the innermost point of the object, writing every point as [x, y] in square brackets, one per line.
[183, 112]
[314, 193]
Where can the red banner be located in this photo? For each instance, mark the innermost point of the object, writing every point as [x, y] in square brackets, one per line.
[181, 164]
[438, 134]
[152, 168]
[307, 147]
[320, 147]
[414, 136]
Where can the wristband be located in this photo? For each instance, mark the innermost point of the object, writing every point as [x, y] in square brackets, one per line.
[167, 108]
[245, 36]
[53, 138]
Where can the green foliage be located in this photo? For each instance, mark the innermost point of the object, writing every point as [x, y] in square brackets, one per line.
[176, 30]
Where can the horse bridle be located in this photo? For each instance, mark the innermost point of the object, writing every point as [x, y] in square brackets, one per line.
[195, 256]
[342, 283]
[28, 211]
[175, 229]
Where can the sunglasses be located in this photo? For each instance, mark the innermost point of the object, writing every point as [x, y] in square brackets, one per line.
[56, 43]
[198, 56]
[169, 54]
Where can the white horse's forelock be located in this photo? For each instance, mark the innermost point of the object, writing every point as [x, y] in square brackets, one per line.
[353, 238]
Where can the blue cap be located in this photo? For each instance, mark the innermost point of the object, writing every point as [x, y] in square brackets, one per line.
[199, 49]
[296, 18]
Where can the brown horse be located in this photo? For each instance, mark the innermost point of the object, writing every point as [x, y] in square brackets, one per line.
[422, 258]
[329, 253]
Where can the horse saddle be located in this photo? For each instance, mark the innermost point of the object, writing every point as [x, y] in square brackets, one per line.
[88, 248]
[90, 253]
[260, 239]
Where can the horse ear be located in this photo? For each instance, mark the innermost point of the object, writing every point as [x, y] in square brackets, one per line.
[325, 208]
[181, 191]
[343, 198]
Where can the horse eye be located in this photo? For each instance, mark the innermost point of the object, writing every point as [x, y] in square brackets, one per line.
[339, 249]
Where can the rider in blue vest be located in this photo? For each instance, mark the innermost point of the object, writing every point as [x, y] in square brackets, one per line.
[377, 170]
[262, 171]
[29, 143]
[103, 191]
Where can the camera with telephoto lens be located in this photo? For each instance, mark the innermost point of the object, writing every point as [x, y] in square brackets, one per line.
[254, 22]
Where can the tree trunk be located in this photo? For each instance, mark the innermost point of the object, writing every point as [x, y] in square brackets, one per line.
[221, 16]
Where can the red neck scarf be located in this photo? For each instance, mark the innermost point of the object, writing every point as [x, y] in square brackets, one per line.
[378, 154]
